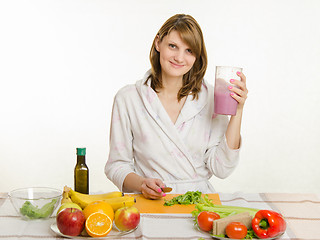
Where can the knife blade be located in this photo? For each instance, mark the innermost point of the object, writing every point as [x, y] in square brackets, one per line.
[166, 189]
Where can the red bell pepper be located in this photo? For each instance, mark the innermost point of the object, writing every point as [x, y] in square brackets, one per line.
[267, 223]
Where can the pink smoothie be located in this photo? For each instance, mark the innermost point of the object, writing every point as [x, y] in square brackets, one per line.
[223, 103]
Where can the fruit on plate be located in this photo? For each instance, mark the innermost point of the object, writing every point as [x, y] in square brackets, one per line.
[98, 206]
[70, 221]
[236, 230]
[205, 220]
[98, 224]
[68, 205]
[127, 218]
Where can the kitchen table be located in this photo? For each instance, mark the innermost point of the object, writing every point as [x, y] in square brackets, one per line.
[301, 211]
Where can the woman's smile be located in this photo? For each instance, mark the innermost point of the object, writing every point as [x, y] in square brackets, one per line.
[176, 65]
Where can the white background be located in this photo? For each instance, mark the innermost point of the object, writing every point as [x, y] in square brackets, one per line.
[62, 61]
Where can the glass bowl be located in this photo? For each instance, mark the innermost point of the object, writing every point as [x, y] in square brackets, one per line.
[35, 202]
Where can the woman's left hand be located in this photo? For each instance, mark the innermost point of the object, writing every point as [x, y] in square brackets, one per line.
[240, 92]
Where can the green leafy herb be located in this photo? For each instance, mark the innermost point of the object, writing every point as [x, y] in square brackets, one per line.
[220, 235]
[33, 212]
[191, 197]
[250, 234]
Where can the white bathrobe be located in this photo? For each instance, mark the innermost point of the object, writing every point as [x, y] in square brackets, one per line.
[185, 154]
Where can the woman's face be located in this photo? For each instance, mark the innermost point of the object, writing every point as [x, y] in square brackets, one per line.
[176, 57]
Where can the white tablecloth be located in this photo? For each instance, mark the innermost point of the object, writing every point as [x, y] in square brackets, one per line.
[302, 212]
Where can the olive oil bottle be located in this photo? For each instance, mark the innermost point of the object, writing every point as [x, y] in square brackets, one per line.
[81, 172]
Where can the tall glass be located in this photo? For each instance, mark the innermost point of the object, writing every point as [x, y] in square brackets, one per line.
[223, 102]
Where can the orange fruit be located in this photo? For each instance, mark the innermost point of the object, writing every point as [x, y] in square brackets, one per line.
[98, 206]
[98, 224]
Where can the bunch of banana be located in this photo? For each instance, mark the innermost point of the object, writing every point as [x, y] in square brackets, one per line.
[116, 199]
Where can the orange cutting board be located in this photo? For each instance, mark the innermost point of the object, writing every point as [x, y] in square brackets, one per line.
[156, 206]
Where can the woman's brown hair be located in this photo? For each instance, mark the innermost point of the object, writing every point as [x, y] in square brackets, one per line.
[191, 34]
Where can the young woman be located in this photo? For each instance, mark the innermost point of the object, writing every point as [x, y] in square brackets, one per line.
[163, 129]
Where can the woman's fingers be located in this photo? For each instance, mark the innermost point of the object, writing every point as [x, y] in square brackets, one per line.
[151, 188]
[242, 76]
[150, 193]
[155, 184]
[239, 99]
[240, 83]
[240, 92]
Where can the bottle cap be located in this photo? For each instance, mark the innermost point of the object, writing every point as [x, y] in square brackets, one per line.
[81, 151]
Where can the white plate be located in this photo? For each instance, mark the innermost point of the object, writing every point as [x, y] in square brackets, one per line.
[222, 238]
[114, 233]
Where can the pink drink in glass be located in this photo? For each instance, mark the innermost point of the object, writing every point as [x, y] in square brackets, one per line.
[223, 103]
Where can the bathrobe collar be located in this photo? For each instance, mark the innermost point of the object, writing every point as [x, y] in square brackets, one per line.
[156, 110]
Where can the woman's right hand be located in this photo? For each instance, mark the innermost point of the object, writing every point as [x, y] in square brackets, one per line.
[151, 188]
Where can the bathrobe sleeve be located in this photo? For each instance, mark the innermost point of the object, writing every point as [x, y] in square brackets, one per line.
[219, 158]
[120, 162]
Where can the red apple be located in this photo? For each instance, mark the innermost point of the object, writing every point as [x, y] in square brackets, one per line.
[127, 218]
[70, 221]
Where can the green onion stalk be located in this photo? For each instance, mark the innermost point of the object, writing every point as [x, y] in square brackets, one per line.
[222, 210]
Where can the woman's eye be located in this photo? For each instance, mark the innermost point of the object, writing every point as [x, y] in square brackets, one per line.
[189, 51]
[172, 45]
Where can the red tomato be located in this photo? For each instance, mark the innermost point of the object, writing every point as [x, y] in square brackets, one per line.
[236, 230]
[205, 220]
